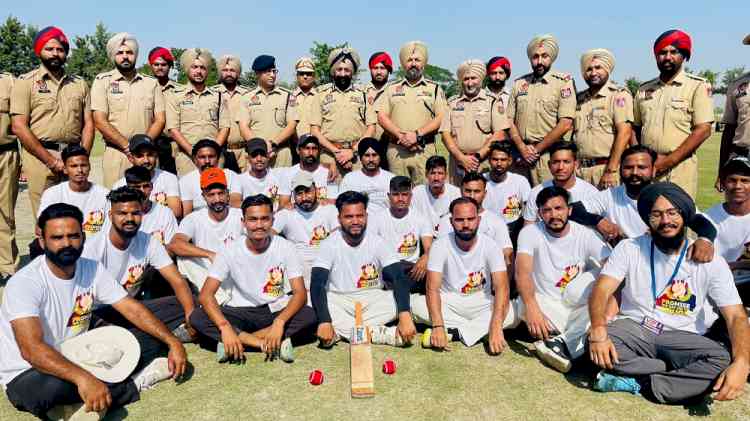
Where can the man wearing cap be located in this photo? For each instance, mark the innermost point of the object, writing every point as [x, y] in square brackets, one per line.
[673, 113]
[541, 108]
[206, 155]
[371, 180]
[308, 149]
[268, 112]
[472, 122]
[381, 67]
[195, 111]
[601, 128]
[736, 136]
[410, 111]
[49, 109]
[230, 91]
[10, 165]
[161, 62]
[302, 95]
[124, 103]
[259, 177]
[340, 115]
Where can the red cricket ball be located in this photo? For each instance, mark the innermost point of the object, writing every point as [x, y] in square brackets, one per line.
[316, 377]
[389, 367]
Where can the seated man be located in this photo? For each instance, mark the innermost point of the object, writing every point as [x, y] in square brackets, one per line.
[258, 269]
[308, 149]
[206, 155]
[370, 179]
[554, 264]
[656, 346]
[507, 192]
[434, 197]
[351, 266]
[156, 220]
[260, 178]
[463, 270]
[51, 300]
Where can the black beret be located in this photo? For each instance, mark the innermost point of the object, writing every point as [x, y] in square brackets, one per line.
[264, 62]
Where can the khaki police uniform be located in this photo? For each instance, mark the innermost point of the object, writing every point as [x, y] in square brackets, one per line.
[56, 110]
[232, 103]
[470, 122]
[197, 115]
[303, 102]
[667, 113]
[594, 128]
[10, 162]
[411, 106]
[131, 107]
[501, 97]
[373, 95]
[536, 105]
[267, 114]
[166, 159]
[737, 113]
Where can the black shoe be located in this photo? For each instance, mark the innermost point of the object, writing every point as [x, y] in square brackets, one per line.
[554, 353]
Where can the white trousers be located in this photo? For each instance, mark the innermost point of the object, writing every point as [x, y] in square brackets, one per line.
[469, 314]
[196, 270]
[378, 308]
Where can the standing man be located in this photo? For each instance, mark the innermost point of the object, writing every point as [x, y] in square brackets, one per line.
[230, 92]
[410, 111]
[603, 116]
[381, 67]
[736, 136]
[49, 109]
[10, 164]
[124, 103]
[541, 108]
[433, 198]
[161, 61]
[370, 179]
[673, 113]
[498, 72]
[302, 96]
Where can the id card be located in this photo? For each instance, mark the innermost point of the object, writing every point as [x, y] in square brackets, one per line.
[656, 327]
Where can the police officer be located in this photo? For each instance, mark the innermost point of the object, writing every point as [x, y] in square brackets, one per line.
[736, 136]
[381, 67]
[230, 70]
[541, 107]
[602, 127]
[161, 62]
[498, 72]
[267, 112]
[410, 111]
[124, 103]
[472, 122]
[49, 109]
[10, 163]
[673, 113]
[302, 95]
[340, 115]
[195, 111]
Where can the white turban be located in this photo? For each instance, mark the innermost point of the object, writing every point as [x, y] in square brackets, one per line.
[119, 39]
[345, 54]
[605, 57]
[412, 47]
[546, 41]
[231, 61]
[191, 54]
[471, 67]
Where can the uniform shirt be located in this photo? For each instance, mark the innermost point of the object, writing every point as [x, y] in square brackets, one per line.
[354, 268]
[501, 100]
[302, 102]
[168, 91]
[92, 203]
[130, 106]
[231, 104]
[373, 95]
[55, 107]
[256, 279]
[679, 304]
[6, 86]
[472, 120]
[306, 229]
[596, 118]
[559, 260]
[466, 272]
[506, 199]
[732, 234]
[402, 235]
[197, 115]
[164, 184]
[580, 191]
[411, 106]
[615, 205]
[434, 208]
[190, 187]
[536, 105]
[490, 225]
[212, 235]
[375, 187]
[737, 110]
[267, 114]
[268, 185]
[320, 176]
[127, 266]
[667, 113]
[63, 306]
[343, 116]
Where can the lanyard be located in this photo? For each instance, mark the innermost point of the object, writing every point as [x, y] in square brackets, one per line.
[671, 278]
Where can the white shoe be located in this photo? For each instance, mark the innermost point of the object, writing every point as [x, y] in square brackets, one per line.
[554, 354]
[153, 373]
[75, 412]
[382, 335]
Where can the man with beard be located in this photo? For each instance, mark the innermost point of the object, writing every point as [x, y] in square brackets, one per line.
[340, 115]
[303, 95]
[735, 139]
[124, 103]
[268, 113]
[352, 266]
[161, 61]
[498, 71]
[230, 91]
[381, 67]
[541, 108]
[656, 347]
[433, 198]
[10, 166]
[410, 111]
[602, 124]
[471, 123]
[556, 263]
[507, 192]
[206, 232]
[308, 149]
[463, 270]
[195, 111]
[370, 179]
[673, 113]
[51, 300]
[49, 109]
[259, 178]
[156, 220]
[206, 155]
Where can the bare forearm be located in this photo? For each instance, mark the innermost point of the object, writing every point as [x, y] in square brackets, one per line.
[47, 360]
[563, 126]
[432, 126]
[432, 296]
[500, 304]
[598, 306]
[211, 306]
[137, 314]
[109, 132]
[180, 287]
[31, 143]
[699, 135]
[618, 146]
[182, 142]
[87, 133]
[450, 144]
[285, 134]
[324, 142]
[739, 335]
[294, 305]
[184, 248]
[515, 136]
[388, 125]
[156, 127]
[222, 135]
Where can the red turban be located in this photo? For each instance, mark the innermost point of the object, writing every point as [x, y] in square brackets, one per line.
[381, 57]
[496, 62]
[160, 52]
[48, 33]
[676, 38]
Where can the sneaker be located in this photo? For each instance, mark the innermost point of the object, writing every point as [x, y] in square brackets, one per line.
[427, 334]
[221, 354]
[75, 412]
[382, 335]
[606, 382]
[182, 334]
[554, 353]
[153, 373]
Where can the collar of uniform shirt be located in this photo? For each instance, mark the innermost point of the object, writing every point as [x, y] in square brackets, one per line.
[206, 89]
[120, 76]
[678, 79]
[604, 91]
[542, 79]
[481, 95]
[49, 75]
[275, 90]
[419, 82]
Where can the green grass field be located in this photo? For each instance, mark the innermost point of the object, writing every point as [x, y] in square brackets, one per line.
[463, 384]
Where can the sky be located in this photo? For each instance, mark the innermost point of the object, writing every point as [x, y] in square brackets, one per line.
[453, 31]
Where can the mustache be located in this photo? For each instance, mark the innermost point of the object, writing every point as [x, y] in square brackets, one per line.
[666, 225]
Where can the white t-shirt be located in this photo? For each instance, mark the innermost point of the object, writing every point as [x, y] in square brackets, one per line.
[403, 236]
[354, 268]
[557, 261]
[376, 188]
[506, 199]
[190, 187]
[466, 272]
[93, 203]
[434, 207]
[581, 190]
[320, 176]
[615, 205]
[679, 305]
[63, 306]
[270, 185]
[256, 279]
[127, 266]
[306, 229]
[490, 225]
[211, 235]
[160, 223]
[732, 234]
[165, 184]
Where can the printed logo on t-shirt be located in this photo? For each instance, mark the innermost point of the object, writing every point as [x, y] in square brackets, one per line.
[569, 273]
[319, 233]
[229, 239]
[274, 282]
[161, 198]
[158, 235]
[677, 299]
[322, 193]
[512, 208]
[368, 276]
[273, 193]
[81, 316]
[93, 222]
[474, 282]
[408, 245]
[133, 279]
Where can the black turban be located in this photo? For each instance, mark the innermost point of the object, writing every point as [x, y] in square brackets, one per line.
[672, 192]
[367, 143]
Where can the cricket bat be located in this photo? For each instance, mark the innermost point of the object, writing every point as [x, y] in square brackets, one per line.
[363, 382]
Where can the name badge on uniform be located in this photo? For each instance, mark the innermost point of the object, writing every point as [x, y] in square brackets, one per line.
[115, 88]
[458, 108]
[187, 102]
[656, 327]
[41, 87]
[254, 100]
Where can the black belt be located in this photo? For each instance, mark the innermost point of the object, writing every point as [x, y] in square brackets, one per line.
[594, 162]
[54, 145]
[13, 146]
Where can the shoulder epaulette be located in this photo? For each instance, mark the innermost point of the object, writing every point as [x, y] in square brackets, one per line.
[695, 77]
[527, 75]
[648, 81]
[561, 75]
